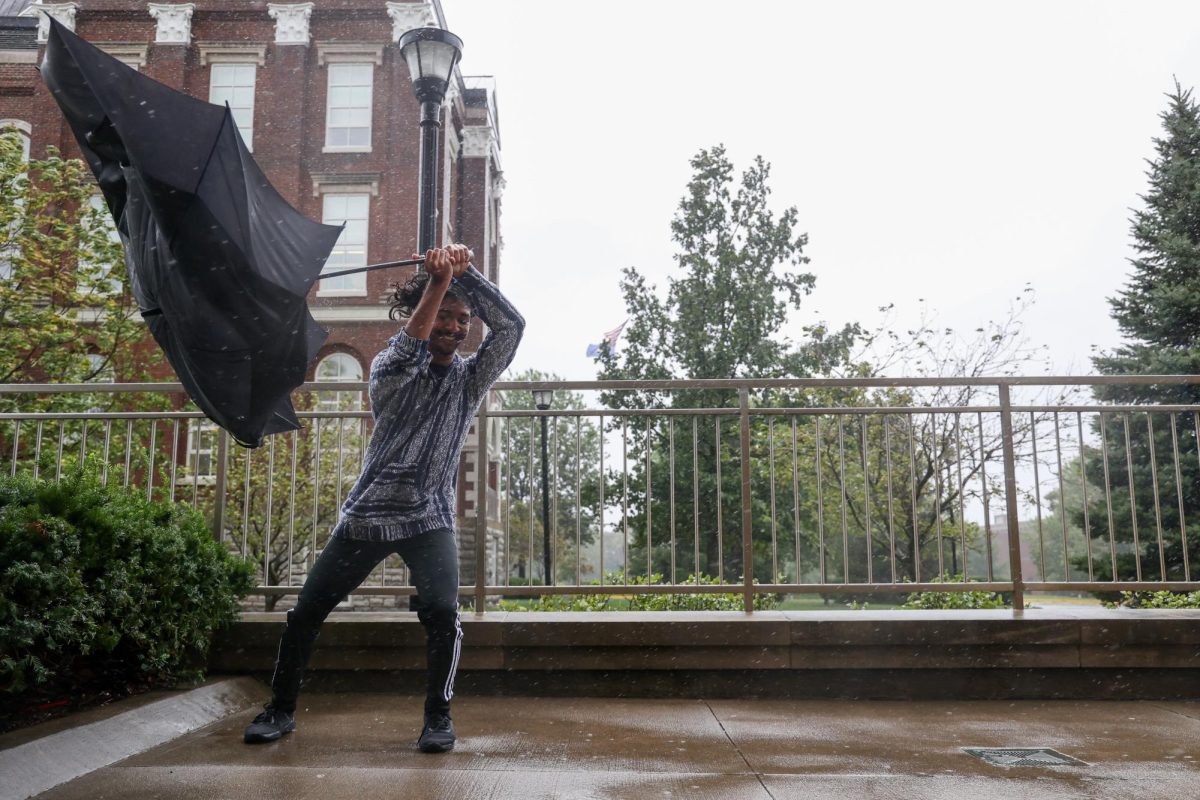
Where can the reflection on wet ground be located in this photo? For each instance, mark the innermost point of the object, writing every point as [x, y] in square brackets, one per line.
[361, 746]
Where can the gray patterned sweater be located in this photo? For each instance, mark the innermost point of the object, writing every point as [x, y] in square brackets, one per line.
[421, 422]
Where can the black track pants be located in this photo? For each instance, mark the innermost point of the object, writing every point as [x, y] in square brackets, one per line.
[432, 558]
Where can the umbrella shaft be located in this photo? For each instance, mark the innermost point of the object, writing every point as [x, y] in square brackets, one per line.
[372, 267]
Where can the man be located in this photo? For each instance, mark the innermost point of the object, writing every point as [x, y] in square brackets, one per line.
[423, 396]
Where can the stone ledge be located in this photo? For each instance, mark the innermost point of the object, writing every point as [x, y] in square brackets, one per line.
[1101, 650]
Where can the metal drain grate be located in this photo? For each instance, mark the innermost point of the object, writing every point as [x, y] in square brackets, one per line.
[1023, 757]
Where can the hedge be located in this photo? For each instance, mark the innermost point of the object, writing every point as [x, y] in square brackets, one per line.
[100, 585]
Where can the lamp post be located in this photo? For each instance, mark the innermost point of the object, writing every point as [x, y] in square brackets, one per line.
[432, 54]
[542, 399]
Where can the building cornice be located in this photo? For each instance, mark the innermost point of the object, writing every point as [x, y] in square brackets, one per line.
[351, 313]
[231, 52]
[345, 182]
[133, 54]
[352, 52]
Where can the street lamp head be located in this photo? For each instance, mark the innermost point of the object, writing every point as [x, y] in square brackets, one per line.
[543, 398]
[432, 54]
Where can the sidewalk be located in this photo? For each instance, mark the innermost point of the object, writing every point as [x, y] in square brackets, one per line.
[360, 747]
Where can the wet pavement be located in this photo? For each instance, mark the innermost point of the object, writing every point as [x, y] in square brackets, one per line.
[361, 747]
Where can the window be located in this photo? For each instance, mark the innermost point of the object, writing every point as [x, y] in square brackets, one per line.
[234, 84]
[100, 368]
[112, 269]
[200, 458]
[351, 248]
[348, 112]
[341, 367]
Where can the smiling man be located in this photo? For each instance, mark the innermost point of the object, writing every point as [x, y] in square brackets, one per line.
[423, 396]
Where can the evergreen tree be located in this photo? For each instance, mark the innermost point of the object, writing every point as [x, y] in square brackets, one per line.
[1158, 311]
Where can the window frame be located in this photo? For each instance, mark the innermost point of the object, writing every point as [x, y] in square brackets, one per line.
[333, 69]
[226, 65]
[357, 283]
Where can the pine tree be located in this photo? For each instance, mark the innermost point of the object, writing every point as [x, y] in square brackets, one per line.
[1158, 312]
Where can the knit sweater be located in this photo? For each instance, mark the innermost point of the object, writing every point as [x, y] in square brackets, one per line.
[422, 417]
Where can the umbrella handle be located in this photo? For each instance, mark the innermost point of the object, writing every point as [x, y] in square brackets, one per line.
[371, 267]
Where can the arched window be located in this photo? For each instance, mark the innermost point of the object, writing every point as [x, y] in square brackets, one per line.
[14, 190]
[100, 369]
[22, 127]
[341, 368]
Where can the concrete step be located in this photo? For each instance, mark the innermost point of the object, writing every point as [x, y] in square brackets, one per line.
[35, 759]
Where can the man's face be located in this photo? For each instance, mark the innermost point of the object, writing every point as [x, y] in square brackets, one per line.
[449, 329]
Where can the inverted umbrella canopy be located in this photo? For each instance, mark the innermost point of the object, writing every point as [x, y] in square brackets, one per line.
[219, 263]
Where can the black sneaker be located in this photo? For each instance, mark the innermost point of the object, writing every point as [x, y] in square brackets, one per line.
[269, 725]
[438, 735]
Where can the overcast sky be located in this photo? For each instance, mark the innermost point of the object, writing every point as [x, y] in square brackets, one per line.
[951, 151]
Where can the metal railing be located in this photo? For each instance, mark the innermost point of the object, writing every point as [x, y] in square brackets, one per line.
[838, 487]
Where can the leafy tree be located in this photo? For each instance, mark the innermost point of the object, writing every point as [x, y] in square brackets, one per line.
[1156, 311]
[64, 313]
[889, 492]
[66, 317]
[723, 316]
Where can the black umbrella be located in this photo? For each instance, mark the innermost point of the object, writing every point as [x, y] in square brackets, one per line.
[219, 263]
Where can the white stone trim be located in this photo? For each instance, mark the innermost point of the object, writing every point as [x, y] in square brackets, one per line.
[18, 124]
[232, 53]
[291, 22]
[345, 183]
[174, 22]
[406, 16]
[349, 53]
[18, 56]
[131, 54]
[62, 12]
[350, 313]
[478, 141]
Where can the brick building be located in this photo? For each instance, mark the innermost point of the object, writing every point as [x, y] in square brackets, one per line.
[324, 99]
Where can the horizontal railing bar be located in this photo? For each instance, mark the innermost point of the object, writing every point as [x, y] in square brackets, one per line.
[731, 384]
[686, 588]
[754, 412]
[779, 588]
[1114, 586]
[816, 383]
[1105, 409]
[92, 415]
[636, 412]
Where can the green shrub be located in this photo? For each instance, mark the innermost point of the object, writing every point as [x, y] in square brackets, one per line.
[711, 601]
[953, 600]
[1157, 600]
[99, 585]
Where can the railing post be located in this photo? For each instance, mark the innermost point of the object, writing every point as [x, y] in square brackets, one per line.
[218, 517]
[747, 515]
[1010, 500]
[481, 506]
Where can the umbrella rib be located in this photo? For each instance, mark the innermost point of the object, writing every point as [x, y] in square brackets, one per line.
[207, 162]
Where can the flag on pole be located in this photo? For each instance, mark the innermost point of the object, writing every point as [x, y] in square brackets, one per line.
[610, 337]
